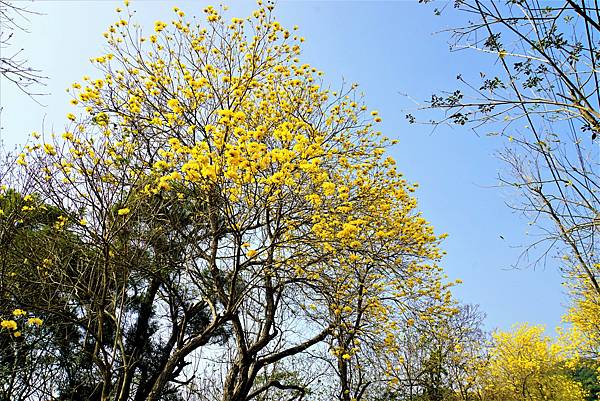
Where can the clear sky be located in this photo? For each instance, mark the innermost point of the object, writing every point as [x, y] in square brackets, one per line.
[390, 49]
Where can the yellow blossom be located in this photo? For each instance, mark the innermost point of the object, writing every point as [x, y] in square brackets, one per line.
[49, 149]
[9, 324]
[124, 211]
[35, 321]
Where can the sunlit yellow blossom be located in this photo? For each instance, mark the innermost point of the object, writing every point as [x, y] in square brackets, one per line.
[35, 321]
[328, 188]
[21, 159]
[159, 26]
[49, 149]
[9, 324]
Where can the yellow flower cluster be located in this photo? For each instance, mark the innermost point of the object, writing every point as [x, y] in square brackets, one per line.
[12, 326]
[9, 324]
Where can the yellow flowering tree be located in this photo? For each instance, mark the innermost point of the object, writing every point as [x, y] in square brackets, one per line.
[368, 346]
[584, 316]
[525, 364]
[225, 199]
[582, 337]
[436, 358]
[23, 334]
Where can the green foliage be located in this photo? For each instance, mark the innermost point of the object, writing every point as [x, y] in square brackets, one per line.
[587, 372]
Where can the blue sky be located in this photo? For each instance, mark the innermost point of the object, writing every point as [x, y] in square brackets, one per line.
[388, 48]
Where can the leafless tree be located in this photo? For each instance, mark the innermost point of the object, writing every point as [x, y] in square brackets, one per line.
[542, 97]
[14, 66]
